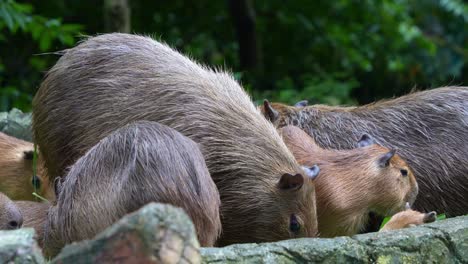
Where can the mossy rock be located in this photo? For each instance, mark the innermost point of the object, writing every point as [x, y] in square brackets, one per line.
[19, 246]
[440, 242]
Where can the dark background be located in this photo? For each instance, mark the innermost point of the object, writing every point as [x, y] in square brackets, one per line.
[332, 52]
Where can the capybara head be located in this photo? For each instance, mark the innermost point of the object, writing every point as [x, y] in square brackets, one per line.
[299, 114]
[139, 163]
[16, 170]
[353, 183]
[286, 210]
[277, 112]
[10, 214]
[409, 218]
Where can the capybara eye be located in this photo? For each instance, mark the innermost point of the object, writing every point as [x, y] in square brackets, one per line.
[404, 172]
[36, 182]
[294, 225]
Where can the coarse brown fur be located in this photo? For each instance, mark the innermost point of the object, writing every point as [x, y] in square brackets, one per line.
[428, 128]
[34, 216]
[113, 79]
[10, 214]
[351, 184]
[140, 163]
[16, 170]
[408, 218]
[26, 214]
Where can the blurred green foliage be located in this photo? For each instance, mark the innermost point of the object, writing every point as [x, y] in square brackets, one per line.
[16, 88]
[333, 52]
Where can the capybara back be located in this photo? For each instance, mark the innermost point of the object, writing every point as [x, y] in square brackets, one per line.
[137, 164]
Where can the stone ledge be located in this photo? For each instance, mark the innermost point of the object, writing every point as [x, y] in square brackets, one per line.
[156, 233]
[440, 242]
[19, 246]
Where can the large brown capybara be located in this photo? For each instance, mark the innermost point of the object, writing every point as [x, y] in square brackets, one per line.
[10, 214]
[354, 183]
[137, 164]
[428, 128]
[408, 218]
[113, 79]
[16, 170]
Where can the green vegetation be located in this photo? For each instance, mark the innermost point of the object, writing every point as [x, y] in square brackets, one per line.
[385, 221]
[333, 52]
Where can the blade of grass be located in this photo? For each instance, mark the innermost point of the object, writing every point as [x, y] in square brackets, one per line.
[385, 221]
[40, 197]
[441, 217]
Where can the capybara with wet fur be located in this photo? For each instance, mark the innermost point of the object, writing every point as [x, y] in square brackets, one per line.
[353, 183]
[409, 218]
[16, 170]
[111, 80]
[139, 163]
[10, 214]
[428, 128]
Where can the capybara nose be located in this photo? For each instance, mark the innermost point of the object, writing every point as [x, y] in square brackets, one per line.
[16, 222]
[430, 217]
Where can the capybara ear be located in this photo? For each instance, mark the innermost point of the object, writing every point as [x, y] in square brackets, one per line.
[430, 217]
[271, 114]
[407, 206]
[28, 154]
[312, 172]
[384, 160]
[365, 141]
[291, 182]
[302, 103]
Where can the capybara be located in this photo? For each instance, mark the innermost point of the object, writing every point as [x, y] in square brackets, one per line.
[35, 216]
[16, 170]
[113, 79]
[428, 128]
[16, 214]
[10, 214]
[353, 183]
[140, 163]
[408, 218]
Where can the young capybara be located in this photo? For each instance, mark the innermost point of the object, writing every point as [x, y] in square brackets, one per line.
[353, 183]
[429, 129]
[10, 214]
[113, 79]
[16, 214]
[16, 170]
[408, 218]
[140, 163]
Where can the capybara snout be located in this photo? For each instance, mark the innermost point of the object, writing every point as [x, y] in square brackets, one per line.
[10, 214]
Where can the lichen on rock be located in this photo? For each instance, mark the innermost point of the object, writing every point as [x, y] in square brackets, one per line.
[19, 246]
